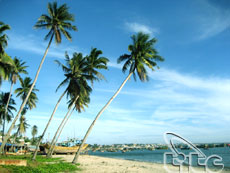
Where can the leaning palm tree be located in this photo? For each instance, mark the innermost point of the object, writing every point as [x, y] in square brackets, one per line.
[142, 54]
[6, 115]
[19, 68]
[88, 65]
[78, 102]
[76, 74]
[58, 21]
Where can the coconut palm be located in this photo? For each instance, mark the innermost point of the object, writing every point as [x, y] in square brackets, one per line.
[19, 68]
[22, 92]
[76, 74]
[90, 64]
[34, 131]
[6, 115]
[142, 54]
[96, 63]
[23, 125]
[5, 61]
[58, 21]
[3, 37]
[79, 102]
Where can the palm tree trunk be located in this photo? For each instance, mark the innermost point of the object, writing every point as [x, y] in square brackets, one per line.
[7, 104]
[62, 129]
[47, 125]
[98, 115]
[23, 104]
[59, 128]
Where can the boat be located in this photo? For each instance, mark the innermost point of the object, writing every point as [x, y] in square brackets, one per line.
[62, 149]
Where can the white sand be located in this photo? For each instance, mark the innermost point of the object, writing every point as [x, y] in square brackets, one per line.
[95, 164]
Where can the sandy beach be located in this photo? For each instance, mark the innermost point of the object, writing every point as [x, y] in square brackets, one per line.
[95, 164]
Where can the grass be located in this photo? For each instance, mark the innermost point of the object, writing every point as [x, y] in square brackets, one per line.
[41, 165]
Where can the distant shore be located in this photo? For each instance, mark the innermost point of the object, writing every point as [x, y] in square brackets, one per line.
[96, 164]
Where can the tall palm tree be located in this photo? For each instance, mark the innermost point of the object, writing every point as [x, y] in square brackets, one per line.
[58, 21]
[89, 65]
[142, 54]
[79, 102]
[34, 131]
[5, 61]
[6, 115]
[76, 78]
[19, 68]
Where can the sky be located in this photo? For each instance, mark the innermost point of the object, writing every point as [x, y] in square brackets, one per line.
[189, 94]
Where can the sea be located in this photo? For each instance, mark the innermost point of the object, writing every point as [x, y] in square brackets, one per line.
[157, 156]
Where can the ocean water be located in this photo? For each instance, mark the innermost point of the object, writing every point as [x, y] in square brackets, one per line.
[157, 156]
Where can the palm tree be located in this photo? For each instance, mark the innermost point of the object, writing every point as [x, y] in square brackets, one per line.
[79, 102]
[6, 115]
[5, 61]
[18, 69]
[58, 22]
[76, 78]
[3, 37]
[88, 65]
[95, 62]
[22, 92]
[22, 126]
[34, 131]
[142, 54]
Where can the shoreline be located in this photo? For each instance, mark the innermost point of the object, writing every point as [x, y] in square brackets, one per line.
[98, 164]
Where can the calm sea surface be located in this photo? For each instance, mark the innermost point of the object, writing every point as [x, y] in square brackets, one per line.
[156, 156]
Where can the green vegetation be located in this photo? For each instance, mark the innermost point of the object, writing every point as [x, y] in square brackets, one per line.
[41, 165]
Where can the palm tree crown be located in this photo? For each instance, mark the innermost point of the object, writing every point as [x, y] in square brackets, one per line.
[23, 91]
[6, 62]
[3, 37]
[142, 54]
[23, 125]
[76, 73]
[57, 21]
[19, 68]
[95, 62]
[34, 130]
[9, 114]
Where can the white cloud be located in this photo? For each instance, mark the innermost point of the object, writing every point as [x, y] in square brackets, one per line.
[137, 27]
[114, 65]
[31, 43]
[178, 102]
[213, 20]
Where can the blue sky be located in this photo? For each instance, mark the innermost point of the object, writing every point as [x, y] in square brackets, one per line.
[189, 95]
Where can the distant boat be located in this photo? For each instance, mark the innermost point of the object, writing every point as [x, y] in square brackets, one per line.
[185, 148]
